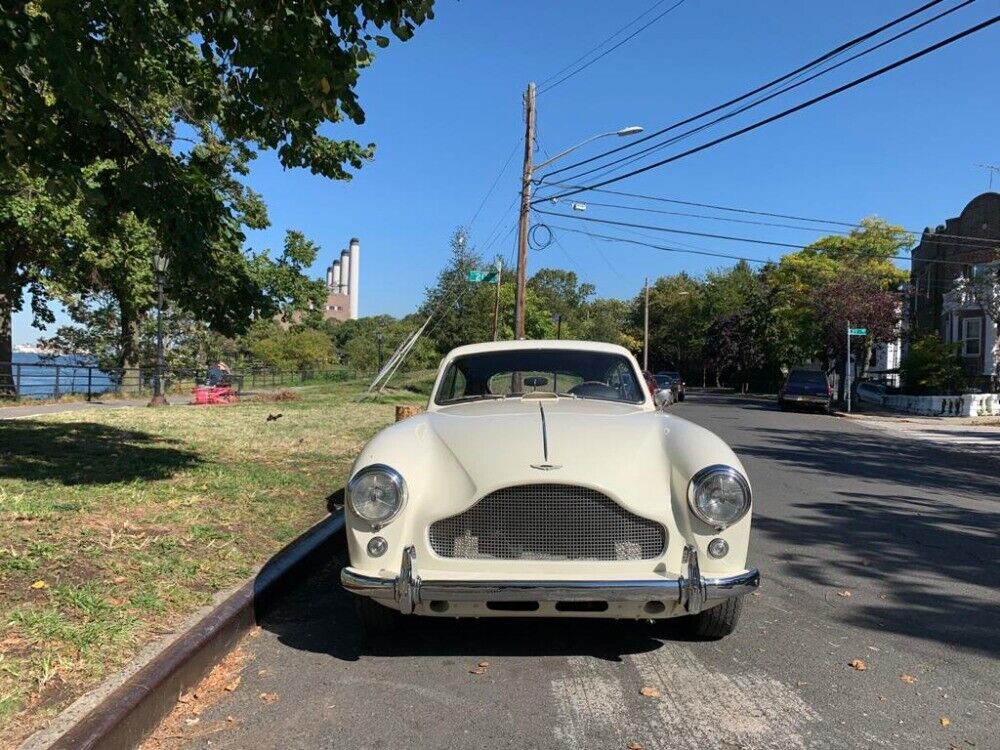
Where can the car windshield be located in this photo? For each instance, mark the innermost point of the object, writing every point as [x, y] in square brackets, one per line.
[807, 377]
[517, 372]
[664, 381]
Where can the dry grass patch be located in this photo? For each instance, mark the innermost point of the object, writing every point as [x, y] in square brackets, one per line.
[115, 525]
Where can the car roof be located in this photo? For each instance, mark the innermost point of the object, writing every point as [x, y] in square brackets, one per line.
[570, 344]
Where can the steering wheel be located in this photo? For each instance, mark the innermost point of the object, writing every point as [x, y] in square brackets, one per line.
[594, 389]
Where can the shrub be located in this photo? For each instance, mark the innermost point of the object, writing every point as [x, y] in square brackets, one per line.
[932, 367]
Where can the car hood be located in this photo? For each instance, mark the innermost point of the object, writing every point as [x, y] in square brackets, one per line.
[596, 443]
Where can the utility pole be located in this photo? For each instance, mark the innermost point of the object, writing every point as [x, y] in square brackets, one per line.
[645, 332]
[847, 370]
[522, 233]
[496, 305]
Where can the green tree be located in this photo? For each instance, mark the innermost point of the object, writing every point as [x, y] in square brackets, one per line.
[284, 281]
[677, 325]
[867, 251]
[178, 97]
[303, 349]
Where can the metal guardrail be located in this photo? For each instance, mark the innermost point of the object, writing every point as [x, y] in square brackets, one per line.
[54, 380]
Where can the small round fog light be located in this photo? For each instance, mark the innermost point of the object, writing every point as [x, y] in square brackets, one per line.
[377, 546]
[716, 548]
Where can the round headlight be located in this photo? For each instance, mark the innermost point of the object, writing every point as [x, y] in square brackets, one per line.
[376, 494]
[719, 496]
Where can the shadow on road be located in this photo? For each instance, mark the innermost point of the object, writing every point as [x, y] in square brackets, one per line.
[925, 534]
[318, 617]
[87, 453]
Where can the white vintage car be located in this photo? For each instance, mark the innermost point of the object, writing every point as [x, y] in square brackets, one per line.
[542, 481]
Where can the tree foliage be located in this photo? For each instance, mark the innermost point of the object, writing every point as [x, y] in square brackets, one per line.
[932, 367]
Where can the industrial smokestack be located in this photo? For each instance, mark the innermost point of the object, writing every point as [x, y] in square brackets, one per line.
[345, 272]
[329, 277]
[335, 276]
[354, 277]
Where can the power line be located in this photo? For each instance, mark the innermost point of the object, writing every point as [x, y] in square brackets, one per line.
[770, 214]
[809, 65]
[634, 157]
[543, 88]
[593, 49]
[731, 238]
[791, 110]
[494, 184]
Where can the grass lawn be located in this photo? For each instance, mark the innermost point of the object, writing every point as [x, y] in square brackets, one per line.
[115, 525]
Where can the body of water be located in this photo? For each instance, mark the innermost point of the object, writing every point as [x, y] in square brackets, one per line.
[36, 376]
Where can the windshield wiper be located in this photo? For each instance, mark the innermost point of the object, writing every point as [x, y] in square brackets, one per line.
[480, 397]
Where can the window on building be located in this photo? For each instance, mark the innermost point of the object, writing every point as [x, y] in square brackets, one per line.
[972, 334]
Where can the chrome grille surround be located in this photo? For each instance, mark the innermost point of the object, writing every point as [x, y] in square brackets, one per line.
[547, 522]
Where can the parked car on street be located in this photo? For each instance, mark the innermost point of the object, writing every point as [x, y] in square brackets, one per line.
[668, 386]
[680, 382]
[651, 384]
[543, 482]
[805, 387]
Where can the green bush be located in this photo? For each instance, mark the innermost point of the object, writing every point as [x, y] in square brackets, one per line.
[932, 367]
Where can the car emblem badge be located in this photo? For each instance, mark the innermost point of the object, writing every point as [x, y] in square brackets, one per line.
[545, 467]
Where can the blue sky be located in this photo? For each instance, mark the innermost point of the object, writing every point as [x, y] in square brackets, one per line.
[445, 112]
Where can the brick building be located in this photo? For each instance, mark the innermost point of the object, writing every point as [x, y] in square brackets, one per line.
[970, 243]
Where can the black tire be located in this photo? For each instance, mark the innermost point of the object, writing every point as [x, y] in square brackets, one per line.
[375, 619]
[717, 622]
[680, 397]
[783, 406]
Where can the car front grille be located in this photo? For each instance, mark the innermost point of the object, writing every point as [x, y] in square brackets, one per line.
[547, 522]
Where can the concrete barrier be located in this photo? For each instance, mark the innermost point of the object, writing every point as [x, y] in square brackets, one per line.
[964, 405]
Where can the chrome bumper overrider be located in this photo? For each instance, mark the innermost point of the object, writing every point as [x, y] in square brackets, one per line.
[689, 590]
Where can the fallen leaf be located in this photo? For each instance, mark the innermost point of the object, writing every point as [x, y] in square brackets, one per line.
[39, 585]
[484, 664]
[191, 722]
[908, 679]
[845, 593]
[269, 697]
[477, 670]
[262, 673]
[945, 721]
[650, 692]
[634, 746]
[859, 665]
[233, 685]
[230, 719]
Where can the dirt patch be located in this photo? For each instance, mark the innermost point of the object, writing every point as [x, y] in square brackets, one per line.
[184, 723]
[273, 396]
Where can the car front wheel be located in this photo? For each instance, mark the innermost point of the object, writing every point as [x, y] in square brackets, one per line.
[717, 622]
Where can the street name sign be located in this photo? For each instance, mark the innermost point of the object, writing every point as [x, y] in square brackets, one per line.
[857, 331]
[477, 276]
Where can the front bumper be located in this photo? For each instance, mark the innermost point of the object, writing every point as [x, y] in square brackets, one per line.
[690, 589]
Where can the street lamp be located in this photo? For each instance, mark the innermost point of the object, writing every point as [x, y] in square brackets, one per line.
[630, 130]
[160, 264]
[526, 177]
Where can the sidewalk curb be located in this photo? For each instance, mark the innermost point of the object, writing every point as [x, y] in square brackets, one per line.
[125, 717]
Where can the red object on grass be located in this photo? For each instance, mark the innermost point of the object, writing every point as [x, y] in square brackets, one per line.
[206, 395]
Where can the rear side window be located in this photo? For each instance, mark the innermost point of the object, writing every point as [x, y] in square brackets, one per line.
[810, 377]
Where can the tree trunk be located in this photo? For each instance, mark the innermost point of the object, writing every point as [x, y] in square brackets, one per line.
[128, 335]
[6, 338]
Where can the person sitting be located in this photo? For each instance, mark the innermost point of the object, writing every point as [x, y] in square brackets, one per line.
[218, 374]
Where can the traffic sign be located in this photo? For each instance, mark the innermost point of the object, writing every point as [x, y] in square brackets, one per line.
[857, 331]
[477, 276]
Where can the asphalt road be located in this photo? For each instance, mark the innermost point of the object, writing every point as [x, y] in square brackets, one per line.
[907, 527]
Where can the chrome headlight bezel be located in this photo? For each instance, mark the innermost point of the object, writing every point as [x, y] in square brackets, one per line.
[698, 480]
[392, 476]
